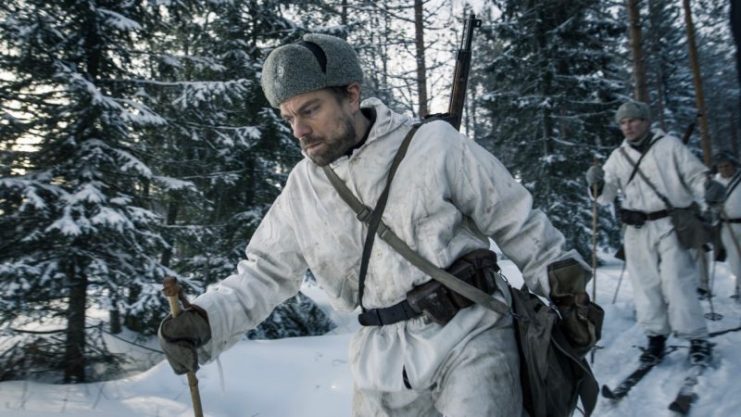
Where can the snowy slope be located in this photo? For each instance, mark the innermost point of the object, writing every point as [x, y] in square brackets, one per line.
[309, 377]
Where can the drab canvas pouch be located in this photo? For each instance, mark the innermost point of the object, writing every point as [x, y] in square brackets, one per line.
[581, 319]
[554, 375]
[692, 230]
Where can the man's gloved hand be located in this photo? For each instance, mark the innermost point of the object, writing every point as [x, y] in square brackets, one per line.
[180, 337]
[595, 176]
[715, 192]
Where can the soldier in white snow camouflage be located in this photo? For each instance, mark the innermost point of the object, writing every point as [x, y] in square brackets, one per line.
[448, 195]
[664, 275]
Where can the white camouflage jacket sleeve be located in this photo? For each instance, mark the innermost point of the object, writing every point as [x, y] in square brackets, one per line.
[505, 213]
[272, 273]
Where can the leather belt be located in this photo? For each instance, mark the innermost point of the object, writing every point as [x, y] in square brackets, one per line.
[388, 315]
[638, 218]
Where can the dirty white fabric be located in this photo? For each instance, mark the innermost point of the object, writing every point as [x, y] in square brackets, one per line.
[445, 191]
[731, 232]
[663, 274]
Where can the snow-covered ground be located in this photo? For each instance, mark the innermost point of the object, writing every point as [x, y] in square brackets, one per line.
[309, 376]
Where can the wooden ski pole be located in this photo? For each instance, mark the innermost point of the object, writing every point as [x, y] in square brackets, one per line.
[620, 281]
[174, 293]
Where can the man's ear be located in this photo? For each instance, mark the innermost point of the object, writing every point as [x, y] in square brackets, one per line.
[353, 95]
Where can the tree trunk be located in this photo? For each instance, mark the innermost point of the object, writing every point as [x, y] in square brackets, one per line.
[734, 132]
[736, 29]
[74, 354]
[697, 77]
[658, 66]
[639, 67]
[421, 65]
[343, 13]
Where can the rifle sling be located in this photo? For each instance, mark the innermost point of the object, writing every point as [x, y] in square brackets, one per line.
[637, 164]
[732, 184]
[377, 226]
[645, 178]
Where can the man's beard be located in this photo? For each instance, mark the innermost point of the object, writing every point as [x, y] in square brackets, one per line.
[334, 147]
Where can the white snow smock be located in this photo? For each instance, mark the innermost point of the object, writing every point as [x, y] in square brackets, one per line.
[663, 274]
[730, 232]
[445, 184]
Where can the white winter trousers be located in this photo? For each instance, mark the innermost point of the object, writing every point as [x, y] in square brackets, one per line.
[478, 379]
[665, 279]
[732, 253]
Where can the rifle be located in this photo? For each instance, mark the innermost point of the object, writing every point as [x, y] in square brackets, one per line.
[460, 75]
[689, 130]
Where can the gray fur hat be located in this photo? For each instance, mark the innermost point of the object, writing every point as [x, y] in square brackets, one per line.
[633, 110]
[317, 62]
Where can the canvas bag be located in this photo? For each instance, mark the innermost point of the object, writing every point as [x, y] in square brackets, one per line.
[554, 375]
[693, 231]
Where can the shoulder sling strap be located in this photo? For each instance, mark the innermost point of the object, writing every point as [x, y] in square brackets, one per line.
[645, 178]
[637, 164]
[735, 179]
[375, 224]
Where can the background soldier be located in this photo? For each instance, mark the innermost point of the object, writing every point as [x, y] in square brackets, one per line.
[664, 275]
[729, 175]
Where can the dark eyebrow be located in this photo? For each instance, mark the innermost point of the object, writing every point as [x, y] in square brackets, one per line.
[303, 106]
[308, 104]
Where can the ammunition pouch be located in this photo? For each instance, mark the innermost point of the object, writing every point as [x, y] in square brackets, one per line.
[433, 299]
[438, 303]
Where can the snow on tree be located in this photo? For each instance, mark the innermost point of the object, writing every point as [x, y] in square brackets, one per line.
[551, 88]
[76, 227]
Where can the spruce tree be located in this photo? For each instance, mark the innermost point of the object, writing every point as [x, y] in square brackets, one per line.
[551, 87]
[76, 228]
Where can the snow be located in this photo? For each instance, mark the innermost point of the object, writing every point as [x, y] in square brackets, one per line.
[309, 376]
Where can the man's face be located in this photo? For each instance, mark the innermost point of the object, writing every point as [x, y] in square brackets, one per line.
[323, 123]
[634, 129]
[726, 169]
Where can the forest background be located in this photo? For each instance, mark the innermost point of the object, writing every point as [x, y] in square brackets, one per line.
[135, 141]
